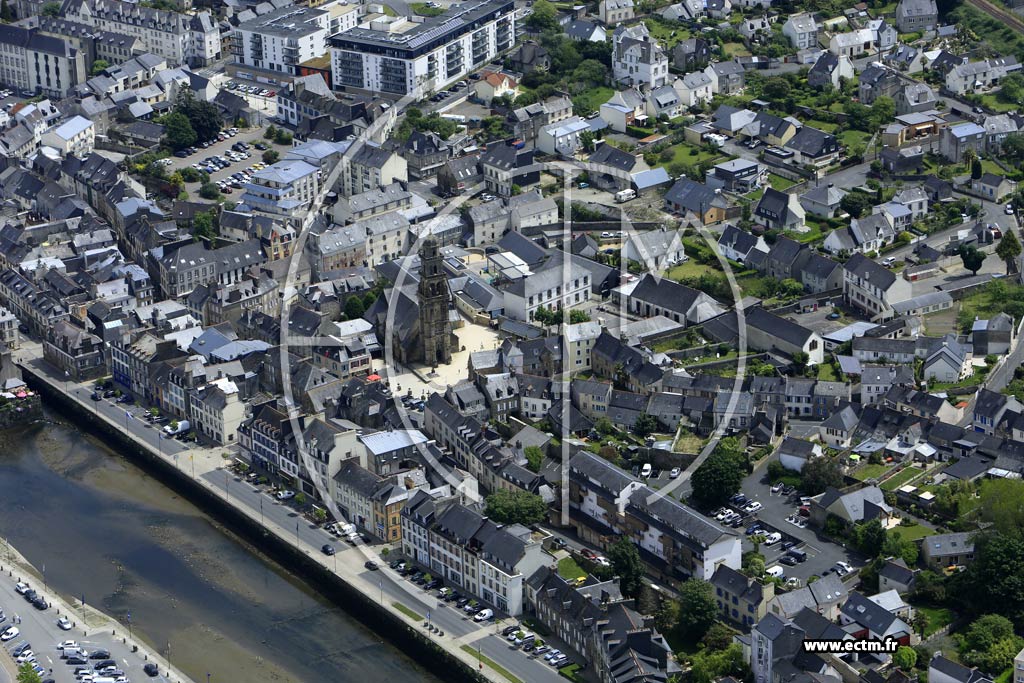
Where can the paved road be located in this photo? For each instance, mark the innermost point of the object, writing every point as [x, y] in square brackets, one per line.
[392, 587]
[39, 628]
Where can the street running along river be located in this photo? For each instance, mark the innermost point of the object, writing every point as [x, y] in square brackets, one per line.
[106, 531]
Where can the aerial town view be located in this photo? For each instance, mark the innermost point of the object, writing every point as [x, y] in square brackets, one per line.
[511, 341]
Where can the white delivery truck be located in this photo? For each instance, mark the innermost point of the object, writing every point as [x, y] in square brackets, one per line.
[179, 428]
[625, 195]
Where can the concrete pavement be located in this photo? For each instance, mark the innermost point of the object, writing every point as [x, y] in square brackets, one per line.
[209, 468]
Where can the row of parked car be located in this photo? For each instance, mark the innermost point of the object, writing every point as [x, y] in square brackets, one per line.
[444, 593]
[252, 89]
[739, 509]
[521, 638]
[444, 94]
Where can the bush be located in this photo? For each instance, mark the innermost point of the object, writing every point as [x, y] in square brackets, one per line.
[209, 191]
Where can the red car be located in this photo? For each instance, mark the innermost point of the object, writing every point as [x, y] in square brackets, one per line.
[588, 554]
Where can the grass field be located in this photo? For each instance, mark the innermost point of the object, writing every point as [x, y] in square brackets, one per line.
[736, 50]
[683, 153]
[913, 532]
[415, 616]
[898, 480]
[664, 35]
[690, 269]
[869, 471]
[425, 10]
[821, 125]
[993, 102]
[592, 99]
[689, 443]
[569, 569]
[854, 137]
[938, 617]
[827, 373]
[491, 663]
[779, 183]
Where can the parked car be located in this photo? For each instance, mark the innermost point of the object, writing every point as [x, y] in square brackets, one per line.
[327, 549]
[674, 474]
[484, 615]
[10, 633]
[285, 495]
[64, 624]
[772, 538]
[151, 670]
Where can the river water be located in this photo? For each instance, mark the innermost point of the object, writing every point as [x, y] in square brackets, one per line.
[106, 531]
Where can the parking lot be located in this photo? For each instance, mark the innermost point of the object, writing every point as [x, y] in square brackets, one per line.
[220, 149]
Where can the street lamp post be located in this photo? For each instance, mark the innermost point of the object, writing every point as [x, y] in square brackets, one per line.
[128, 618]
[226, 494]
[296, 534]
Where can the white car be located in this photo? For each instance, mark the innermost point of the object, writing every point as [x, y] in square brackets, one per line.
[646, 470]
[64, 624]
[1009, 209]
[753, 506]
[285, 495]
[603, 561]
[68, 645]
[674, 474]
[21, 587]
[26, 656]
[843, 568]
[722, 514]
[553, 655]
[777, 487]
[10, 633]
[772, 538]
[484, 615]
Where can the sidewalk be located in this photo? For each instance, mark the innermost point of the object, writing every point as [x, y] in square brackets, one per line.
[203, 466]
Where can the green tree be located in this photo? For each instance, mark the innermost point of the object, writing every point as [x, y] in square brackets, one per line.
[515, 507]
[99, 66]
[697, 608]
[985, 632]
[283, 137]
[711, 665]
[544, 17]
[920, 622]
[6, 13]
[51, 9]
[178, 131]
[534, 458]
[577, 316]
[1001, 655]
[1009, 250]
[354, 308]
[1013, 145]
[204, 116]
[897, 546]
[776, 88]
[270, 133]
[1011, 88]
[855, 204]
[721, 475]
[883, 109]
[204, 225]
[800, 361]
[604, 426]
[870, 537]
[976, 169]
[627, 565]
[667, 615]
[587, 140]
[26, 674]
[992, 583]
[718, 637]
[818, 474]
[271, 156]
[209, 191]
[972, 257]
[904, 658]
[645, 424]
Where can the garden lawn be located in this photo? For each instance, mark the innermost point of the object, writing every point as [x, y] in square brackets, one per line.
[827, 373]
[593, 99]
[854, 137]
[938, 617]
[663, 34]
[992, 101]
[569, 569]
[690, 269]
[683, 153]
[735, 50]
[779, 183]
[689, 443]
[914, 532]
[822, 125]
[898, 480]
[869, 471]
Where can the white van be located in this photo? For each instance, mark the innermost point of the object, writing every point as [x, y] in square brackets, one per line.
[776, 572]
[646, 470]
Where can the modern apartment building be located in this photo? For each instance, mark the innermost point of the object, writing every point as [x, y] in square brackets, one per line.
[192, 39]
[283, 190]
[395, 55]
[280, 40]
[33, 62]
